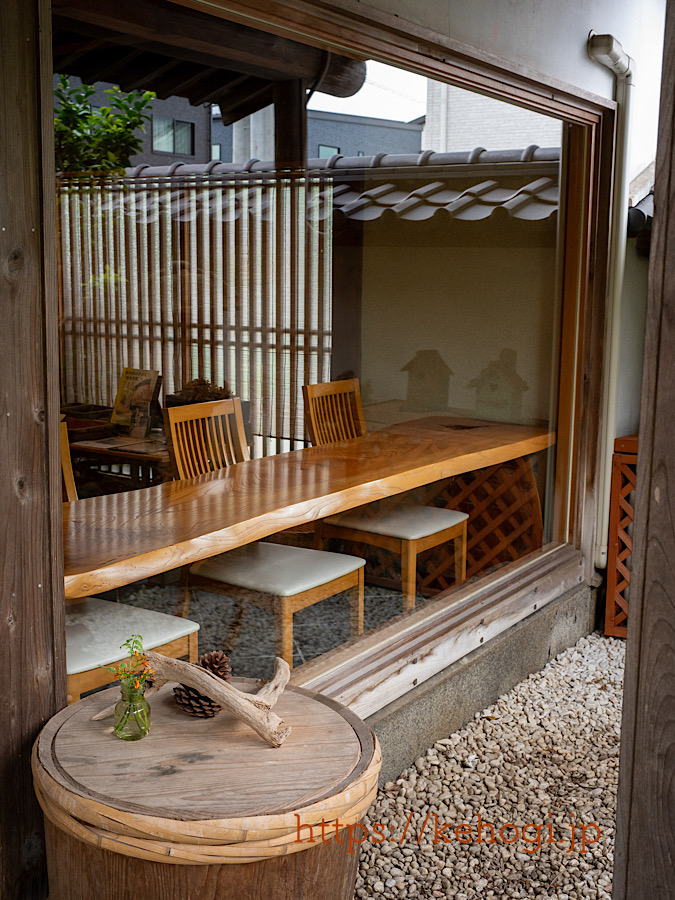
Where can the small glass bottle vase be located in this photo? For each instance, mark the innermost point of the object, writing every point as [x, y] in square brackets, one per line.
[132, 714]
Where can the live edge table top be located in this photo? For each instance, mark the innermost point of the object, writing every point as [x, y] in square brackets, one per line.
[117, 539]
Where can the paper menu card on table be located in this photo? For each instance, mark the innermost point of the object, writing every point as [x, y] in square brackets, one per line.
[136, 391]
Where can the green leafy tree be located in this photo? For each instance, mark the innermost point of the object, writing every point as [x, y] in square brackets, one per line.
[104, 139]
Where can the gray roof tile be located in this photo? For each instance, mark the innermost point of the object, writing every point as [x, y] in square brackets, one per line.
[469, 186]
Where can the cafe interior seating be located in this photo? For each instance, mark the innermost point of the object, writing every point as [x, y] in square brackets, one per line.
[96, 628]
[334, 412]
[206, 437]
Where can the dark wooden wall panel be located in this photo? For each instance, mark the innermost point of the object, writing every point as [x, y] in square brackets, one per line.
[32, 669]
[645, 841]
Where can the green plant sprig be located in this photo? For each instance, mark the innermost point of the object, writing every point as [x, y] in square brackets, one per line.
[135, 671]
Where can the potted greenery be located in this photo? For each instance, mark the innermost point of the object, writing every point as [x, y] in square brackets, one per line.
[94, 140]
[132, 710]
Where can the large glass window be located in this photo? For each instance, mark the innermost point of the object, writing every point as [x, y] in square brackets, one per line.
[428, 269]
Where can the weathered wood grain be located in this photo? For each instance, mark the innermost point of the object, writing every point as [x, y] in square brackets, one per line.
[32, 629]
[322, 870]
[645, 840]
[178, 814]
[119, 538]
[190, 756]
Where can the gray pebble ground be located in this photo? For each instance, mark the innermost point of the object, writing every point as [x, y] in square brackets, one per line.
[544, 755]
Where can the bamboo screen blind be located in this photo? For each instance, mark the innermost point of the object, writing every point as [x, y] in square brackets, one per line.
[224, 278]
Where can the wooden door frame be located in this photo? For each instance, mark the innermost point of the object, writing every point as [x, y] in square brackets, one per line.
[32, 609]
[34, 639]
[645, 835]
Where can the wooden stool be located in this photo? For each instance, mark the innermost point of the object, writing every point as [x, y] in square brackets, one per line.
[204, 808]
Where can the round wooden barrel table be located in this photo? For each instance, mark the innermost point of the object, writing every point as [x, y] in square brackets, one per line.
[204, 808]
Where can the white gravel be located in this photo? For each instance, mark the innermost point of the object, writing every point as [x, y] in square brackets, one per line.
[544, 755]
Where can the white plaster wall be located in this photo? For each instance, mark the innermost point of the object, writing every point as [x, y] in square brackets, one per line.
[549, 37]
[476, 121]
[467, 303]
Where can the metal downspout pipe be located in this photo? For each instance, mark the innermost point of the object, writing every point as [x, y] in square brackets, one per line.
[606, 50]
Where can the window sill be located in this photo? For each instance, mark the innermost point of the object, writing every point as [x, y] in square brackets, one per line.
[374, 670]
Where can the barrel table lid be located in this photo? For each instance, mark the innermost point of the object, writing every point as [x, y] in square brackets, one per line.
[211, 784]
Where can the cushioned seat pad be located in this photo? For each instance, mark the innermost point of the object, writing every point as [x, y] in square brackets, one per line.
[96, 629]
[407, 524]
[276, 568]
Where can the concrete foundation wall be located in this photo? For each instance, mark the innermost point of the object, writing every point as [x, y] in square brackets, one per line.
[442, 705]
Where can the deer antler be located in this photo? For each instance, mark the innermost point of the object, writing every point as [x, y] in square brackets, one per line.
[254, 709]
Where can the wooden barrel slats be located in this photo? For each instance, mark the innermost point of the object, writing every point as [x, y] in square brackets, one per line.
[205, 791]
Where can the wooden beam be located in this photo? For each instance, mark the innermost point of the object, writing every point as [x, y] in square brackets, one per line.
[159, 27]
[645, 838]
[147, 71]
[219, 83]
[243, 101]
[290, 124]
[182, 80]
[32, 627]
[119, 64]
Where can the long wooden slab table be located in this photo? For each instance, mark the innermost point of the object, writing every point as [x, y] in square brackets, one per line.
[117, 539]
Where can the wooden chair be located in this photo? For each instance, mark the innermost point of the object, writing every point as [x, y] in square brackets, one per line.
[204, 437]
[96, 629]
[68, 477]
[333, 412]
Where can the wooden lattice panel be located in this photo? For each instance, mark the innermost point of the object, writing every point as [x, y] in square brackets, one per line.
[505, 523]
[621, 516]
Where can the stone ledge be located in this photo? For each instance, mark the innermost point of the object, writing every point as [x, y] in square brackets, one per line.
[407, 727]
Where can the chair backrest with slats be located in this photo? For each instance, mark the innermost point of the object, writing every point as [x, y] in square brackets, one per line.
[205, 437]
[67, 465]
[333, 411]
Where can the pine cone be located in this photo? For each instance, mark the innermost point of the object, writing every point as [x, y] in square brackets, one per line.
[196, 704]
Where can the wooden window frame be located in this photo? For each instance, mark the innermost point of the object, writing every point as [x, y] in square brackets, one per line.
[378, 668]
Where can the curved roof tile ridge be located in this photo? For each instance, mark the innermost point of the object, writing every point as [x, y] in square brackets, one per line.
[424, 157]
[477, 156]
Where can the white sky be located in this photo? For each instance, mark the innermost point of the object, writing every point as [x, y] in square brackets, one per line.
[388, 93]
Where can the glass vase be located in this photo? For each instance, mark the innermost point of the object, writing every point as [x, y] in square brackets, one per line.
[132, 714]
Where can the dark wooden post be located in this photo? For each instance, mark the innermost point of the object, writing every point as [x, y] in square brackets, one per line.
[645, 839]
[290, 124]
[32, 669]
[347, 301]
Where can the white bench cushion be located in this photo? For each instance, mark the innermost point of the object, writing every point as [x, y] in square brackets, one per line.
[96, 629]
[408, 524]
[277, 568]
